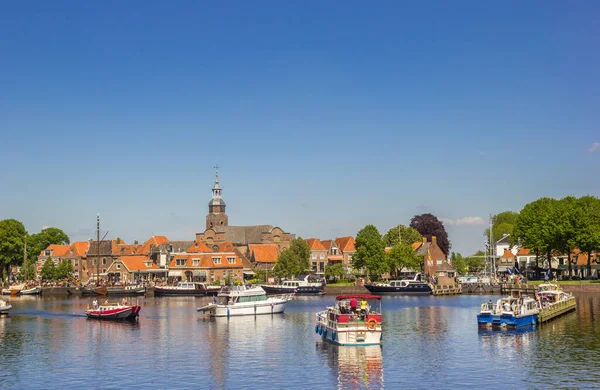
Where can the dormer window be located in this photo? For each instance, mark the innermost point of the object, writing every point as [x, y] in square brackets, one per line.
[231, 260]
[180, 262]
[148, 264]
[48, 253]
[216, 260]
[195, 262]
[170, 248]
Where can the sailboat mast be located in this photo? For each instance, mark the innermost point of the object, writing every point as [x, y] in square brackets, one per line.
[98, 251]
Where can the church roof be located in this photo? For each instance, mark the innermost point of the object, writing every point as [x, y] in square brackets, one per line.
[244, 235]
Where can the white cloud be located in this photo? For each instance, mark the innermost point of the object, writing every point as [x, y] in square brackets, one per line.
[465, 221]
[595, 147]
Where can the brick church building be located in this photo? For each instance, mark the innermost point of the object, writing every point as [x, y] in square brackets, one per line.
[218, 230]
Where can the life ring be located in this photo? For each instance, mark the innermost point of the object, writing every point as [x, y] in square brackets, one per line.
[372, 323]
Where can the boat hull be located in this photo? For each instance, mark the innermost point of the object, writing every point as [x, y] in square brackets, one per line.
[94, 291]
[246, 309]
[119, 313]
[164, 292]
[31, 291]
[484, 320]
[4, 309]
[420, 289]
[359, 335]
[302, 290]
[128, 291]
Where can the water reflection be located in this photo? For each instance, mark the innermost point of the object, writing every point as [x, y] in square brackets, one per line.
[354, 367]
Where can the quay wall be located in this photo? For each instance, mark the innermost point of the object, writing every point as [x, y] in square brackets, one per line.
[583, 287]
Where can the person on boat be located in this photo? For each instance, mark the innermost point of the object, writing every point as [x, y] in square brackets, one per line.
[363, 305]
[353, 304]
[124, 301]
[490, 305]
[95, 303]
[105, 303]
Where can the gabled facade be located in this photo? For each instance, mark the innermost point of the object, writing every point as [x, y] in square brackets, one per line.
[263, 256]
[433, 257]
[130, 269]
[318, 255]
[207, 267]
[55, 252]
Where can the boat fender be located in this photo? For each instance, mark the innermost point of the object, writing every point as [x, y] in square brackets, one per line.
[333, 335]
[316, 328]
[320, 331]
[325, 333]
[372, 323]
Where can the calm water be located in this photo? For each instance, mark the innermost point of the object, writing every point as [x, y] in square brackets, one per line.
[428, 342]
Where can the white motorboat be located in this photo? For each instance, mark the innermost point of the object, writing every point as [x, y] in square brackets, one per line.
[4, 307]
[31, 291]
[245, 301]
[349, 322]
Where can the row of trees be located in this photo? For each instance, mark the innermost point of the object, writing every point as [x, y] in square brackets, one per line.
[370, 245]
[472, 264]
[14, 237]
[548, 225]
[50, 271]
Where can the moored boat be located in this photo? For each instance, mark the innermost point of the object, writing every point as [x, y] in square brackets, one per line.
[126, 290]
[37, 290]
[553, 301]
[101, 290]
[244, 301]
[349, 322]
[114, 311]
[299, 287]
[184, 289]
[4, 307]
[415, 286]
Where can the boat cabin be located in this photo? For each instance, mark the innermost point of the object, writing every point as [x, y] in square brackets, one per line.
[355, 308]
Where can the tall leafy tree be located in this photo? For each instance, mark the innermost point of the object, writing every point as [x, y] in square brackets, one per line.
[459, 263]
[476, 262]
[37, 242]
[294, 260]
[502, 223]
[429, 225]
[567, 216]
[12, 244]
[370, 252]
[401, 233]
[64, 269]
[403, 256]
[48, 271]
[334, 271]
[587, 230]
[537, 227]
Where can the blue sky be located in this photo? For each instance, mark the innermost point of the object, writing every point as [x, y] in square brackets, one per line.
[324, 116]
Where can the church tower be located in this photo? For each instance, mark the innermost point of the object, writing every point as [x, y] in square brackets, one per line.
[216, 217]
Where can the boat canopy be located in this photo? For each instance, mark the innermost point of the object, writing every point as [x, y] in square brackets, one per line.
[357, 296]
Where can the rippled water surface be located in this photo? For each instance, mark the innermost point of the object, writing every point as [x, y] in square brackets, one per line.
[429, 342]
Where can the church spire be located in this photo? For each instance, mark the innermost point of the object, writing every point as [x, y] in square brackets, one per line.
[216, 217]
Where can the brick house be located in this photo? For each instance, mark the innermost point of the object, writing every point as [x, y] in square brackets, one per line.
[318, 255]
[130, 269]
[55, 252]
[434, 260]
[207, 267]
[263, 256]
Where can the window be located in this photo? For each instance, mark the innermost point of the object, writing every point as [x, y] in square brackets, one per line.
[180, 262]
[314, 256]
[334, 251]
[170, 248]
[195, 262]
[349, 258]
[76, 263]
[148, 263]
[439, 262]
[216, 260]
[48, 253]
[321, 256]
[95, 262]
[103, 261]
[231, 260]
[118, 266]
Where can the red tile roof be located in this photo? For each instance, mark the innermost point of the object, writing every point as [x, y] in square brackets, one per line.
[523, 251]
[118, 247]
[326, 244]
[57, 250]
[226, 247]
[507, 254]
[79, 248]
[135, 263]
[264, 253]
[198, 247]
[315, 245]
[345, 244]
[152, 241]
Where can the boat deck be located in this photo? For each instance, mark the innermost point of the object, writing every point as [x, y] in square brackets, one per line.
[546, 314]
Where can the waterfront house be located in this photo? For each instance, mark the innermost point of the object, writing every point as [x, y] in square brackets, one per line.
[130, 269]
[433, 258]
[506, 261]
[318, 255]
[206, 267]
[55, 252]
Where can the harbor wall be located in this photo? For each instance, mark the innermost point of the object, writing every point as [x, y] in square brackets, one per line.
[583, 287]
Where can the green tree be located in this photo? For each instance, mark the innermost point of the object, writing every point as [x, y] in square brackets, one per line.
[459, 263]
[475, 263]
[64, 269]
[48, 271]
[12, 236]
[36, 243]
[567, 217]
[502, 223]
[334, 271]
[401, 233]
[370, 251]
[403, 256]
[294, 260]
[587, 227]
[537, 227]
[28, 272]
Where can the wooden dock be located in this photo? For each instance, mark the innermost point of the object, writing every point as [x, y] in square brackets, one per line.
[446, 289]
[546, 314]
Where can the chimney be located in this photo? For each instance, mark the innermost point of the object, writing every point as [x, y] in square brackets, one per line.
[424, 239]
[433, 239]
